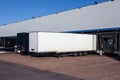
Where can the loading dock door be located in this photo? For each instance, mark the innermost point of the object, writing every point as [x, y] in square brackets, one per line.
[108, 44]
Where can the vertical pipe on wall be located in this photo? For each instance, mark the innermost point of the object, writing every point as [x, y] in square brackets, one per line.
[4, 42]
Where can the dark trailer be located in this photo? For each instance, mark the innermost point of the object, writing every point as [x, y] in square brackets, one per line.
[22, 42]
[108, 39]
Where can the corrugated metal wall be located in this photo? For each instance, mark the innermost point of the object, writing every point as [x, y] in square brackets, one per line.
[103, 15]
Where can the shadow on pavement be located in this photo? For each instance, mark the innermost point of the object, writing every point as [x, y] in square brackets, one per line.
[12, 71]
[113, 56]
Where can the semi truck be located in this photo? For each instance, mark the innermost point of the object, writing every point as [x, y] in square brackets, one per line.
[76, 43]
[49, 42]
[59, 43]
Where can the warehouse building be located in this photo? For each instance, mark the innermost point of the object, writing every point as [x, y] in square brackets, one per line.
[101, 19]
[102, 15]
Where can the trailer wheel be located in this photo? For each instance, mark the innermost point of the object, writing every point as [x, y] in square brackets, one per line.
[85, 53]
[79, 54]
[75, 54]
[58, 55]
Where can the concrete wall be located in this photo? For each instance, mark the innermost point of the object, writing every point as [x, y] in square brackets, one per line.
[103, 15]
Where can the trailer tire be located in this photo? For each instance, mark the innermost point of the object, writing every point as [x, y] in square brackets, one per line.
[58, 55]
[85, 54]
[75, 54]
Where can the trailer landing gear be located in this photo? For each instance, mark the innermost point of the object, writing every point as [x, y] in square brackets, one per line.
[100, 53]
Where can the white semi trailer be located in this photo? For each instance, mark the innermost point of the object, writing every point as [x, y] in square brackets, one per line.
[48, 42]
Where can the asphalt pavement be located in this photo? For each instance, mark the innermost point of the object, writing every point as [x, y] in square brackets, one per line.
[12, 71]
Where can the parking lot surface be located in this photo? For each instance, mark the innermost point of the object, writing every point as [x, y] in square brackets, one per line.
[93, 67]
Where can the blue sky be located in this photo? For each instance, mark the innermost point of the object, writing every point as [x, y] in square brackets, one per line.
[17, 10]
